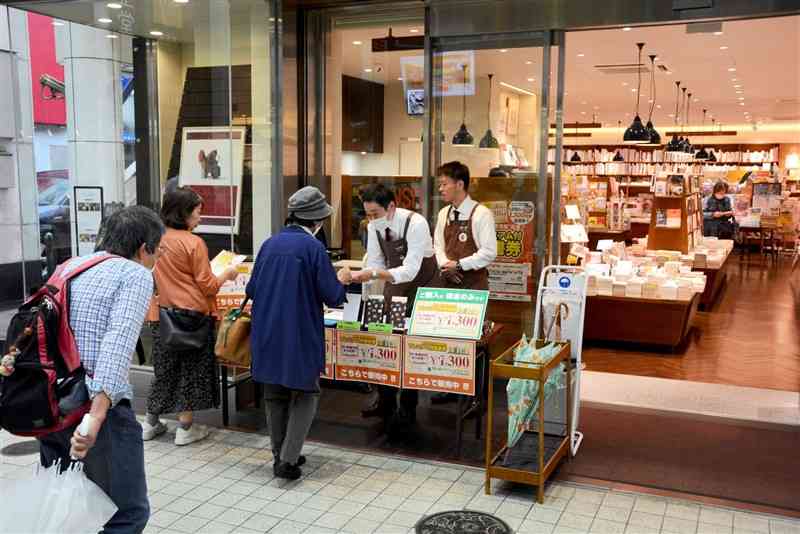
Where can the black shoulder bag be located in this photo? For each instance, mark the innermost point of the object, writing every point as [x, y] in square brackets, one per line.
[183, 330]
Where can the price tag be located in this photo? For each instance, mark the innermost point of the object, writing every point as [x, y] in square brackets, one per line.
[383, 328]
[369, 357]
[348, 325]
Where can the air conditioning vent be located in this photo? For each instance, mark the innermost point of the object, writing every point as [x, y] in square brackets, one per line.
[622, 68]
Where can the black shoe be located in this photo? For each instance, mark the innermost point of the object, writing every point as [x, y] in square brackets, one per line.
[443, 398]
[287, 471]
[301, 461]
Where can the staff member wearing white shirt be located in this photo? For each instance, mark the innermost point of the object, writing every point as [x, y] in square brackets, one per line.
[400, 252]
[465, 240]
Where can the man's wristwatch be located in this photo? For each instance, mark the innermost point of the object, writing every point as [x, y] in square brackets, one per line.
[374, 274]
[459, 267]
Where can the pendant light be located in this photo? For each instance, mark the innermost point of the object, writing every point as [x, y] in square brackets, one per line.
[654, 136]
[702, 154]
[682, 141]
[636, 132]
[674, 145]
[463, 137]
[575, 157]
[489, 140]
[711, 156]
[618, 156]
[687, 146]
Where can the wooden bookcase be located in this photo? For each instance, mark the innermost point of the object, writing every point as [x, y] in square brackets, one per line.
[685, 237]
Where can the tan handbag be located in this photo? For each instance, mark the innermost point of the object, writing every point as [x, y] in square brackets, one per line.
[233, 338]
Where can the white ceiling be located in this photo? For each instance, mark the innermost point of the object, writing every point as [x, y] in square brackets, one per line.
[764, 52]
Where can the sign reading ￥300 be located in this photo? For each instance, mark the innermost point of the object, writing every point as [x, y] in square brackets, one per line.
[446, 365]
[450, 313]
[369, 357]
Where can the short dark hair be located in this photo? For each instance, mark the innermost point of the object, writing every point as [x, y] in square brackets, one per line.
[455, 170]
[378, 193]
[305, 223]
[178, 206]
[125, 231]
[720, 186]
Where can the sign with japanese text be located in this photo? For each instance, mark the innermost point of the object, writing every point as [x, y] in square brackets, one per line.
[330, 353]
[232, 293]
[446, 365]
[510, 275]
[369, 357]
[453, 313]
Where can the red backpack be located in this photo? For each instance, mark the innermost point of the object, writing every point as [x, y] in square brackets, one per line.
[46, 392]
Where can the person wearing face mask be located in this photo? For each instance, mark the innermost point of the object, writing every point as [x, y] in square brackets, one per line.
[718, 213]
[399, 252]
[185, 381]
[292, 278]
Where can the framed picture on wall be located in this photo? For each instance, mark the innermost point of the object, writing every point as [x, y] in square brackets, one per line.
[212, 162]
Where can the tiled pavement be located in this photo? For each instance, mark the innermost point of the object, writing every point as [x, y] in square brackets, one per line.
[225, 485]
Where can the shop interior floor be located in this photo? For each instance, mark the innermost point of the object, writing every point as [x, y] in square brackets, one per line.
[749, 338]
[225, 484]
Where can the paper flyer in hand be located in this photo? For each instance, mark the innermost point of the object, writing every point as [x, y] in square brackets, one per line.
[226, 259]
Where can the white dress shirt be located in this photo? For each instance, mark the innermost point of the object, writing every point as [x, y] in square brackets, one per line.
[483, 232]
[419, 245]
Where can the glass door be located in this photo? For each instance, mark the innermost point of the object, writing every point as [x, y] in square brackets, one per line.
[491, 110]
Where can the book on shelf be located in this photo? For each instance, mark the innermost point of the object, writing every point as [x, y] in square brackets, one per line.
[673, 218]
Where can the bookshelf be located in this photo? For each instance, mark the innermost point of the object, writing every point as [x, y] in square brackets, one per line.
[676, 222]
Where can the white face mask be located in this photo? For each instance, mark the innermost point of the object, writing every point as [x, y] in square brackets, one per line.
[380, 224]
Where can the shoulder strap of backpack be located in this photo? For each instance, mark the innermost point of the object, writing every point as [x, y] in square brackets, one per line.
[85, 266]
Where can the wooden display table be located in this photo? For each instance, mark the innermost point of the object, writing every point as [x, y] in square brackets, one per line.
[532, 466]
[638, 320]
[715, 280]
[615, 235]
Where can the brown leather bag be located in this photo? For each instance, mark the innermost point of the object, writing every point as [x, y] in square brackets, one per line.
[233, 338]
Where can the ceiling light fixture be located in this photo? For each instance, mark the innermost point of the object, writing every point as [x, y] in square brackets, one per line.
[104, 20]
[718, 33]
[636, 132]
[731, 69]
[626, 29]
[654, 138]
[414, 30]
[723, 47]
[489, 140]
[358, 43]
[187, 1]
[367, 70]
[529, 62]
[618, 156]
[531, 79]
[702, 154]
[114, 5]
[111, 36]
[462, 136]
[156, 33]
[517, 89]
[504, 50]
[581, 55]
[686, 146]
[675, 144]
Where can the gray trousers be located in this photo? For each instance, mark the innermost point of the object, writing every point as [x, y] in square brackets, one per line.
[290, 413]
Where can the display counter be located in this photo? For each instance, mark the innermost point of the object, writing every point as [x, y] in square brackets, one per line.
[715, 281]
[639, 320]
[596, 235]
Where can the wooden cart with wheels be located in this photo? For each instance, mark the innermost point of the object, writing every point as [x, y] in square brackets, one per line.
[535, 465]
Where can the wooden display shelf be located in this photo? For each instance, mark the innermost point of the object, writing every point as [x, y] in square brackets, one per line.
[550, 449]
[596, 235]
[639, 320]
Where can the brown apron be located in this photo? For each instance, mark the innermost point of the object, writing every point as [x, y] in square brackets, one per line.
[457, 247]
[394, 252]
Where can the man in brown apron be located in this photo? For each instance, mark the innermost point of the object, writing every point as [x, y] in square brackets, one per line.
[399, 252]
[465, 239]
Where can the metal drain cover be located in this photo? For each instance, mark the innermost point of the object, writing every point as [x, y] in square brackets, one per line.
[462, 522]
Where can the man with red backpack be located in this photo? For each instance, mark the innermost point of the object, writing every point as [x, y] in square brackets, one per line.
[107, 306]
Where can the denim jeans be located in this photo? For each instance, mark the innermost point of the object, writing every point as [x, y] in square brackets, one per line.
[115, 464]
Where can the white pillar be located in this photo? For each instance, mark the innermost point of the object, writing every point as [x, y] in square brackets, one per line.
[261, 123]
[19, 222]
[92, 68]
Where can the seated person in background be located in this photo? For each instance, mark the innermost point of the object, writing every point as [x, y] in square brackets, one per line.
[718, 213]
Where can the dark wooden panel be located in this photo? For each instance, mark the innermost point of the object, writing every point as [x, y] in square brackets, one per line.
[362, 115]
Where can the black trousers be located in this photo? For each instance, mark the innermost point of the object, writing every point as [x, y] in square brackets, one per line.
[387, 401]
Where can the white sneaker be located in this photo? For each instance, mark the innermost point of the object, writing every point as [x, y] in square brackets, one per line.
[152, 431]
[195, 433]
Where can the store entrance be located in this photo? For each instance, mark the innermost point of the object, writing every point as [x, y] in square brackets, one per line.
[725, 122]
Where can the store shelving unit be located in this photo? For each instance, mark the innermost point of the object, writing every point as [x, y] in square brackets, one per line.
[686, 236]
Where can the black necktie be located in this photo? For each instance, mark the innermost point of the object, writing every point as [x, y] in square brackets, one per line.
[455, 215]
[388, 235]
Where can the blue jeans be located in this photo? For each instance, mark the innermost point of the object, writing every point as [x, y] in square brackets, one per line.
[115, 464]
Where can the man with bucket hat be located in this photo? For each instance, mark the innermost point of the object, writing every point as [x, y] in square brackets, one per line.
[292, 278]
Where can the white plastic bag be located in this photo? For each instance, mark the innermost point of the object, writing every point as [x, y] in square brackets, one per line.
[53, 502]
